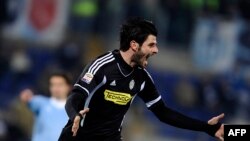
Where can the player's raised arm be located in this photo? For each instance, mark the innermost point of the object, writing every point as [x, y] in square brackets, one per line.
[155, 103]
[34, 102]
[177, 119]
[26, 95]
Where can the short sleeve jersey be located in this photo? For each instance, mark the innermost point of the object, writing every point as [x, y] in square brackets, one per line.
[50, 116]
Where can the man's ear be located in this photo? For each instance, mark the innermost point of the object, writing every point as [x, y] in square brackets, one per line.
[134, 45]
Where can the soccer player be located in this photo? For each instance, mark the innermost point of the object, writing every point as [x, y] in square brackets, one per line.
[50, 114]
[107, 86]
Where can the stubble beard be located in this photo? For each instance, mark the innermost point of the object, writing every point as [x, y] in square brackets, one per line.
[137, 58]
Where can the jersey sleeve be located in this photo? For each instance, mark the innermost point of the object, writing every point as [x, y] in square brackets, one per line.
[36, 103]
[90, 80]
[93, 74]
[85, 84]
[149, 93]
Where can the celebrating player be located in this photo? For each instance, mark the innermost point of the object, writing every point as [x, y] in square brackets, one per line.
[107, 86]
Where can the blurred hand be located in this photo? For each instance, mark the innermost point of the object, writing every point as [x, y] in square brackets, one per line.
[26, 95]
[220, 132]
[76, 123]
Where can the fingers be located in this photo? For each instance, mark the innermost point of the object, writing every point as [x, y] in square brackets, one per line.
[216, 119]
[222, 130]
[84, 111]
[220, 133]
[28, 91]
[75, 125]
[75, 128]
[26, 95]
[221, 116]
[213, 121]
[221, 138]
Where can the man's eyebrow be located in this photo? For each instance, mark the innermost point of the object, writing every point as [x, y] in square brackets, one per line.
[153, 43]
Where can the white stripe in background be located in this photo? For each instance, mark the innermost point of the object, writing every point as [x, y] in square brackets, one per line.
[150, 103]
[100, 62]
[99, 59]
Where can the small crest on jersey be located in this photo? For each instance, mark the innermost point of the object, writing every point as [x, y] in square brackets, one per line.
[131, 84]
[87, 77]
[113, 83]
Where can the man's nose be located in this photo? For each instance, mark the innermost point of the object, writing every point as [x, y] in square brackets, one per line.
[155, 50]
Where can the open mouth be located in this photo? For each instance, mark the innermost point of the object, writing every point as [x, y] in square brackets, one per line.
[142, 59]
[145, 63]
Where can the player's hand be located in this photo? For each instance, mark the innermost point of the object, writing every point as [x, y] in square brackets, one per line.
[77, 119]
[220, 132]
[26, 95]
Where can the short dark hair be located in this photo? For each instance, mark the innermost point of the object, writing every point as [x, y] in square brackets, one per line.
[62, 74]
[135, 29]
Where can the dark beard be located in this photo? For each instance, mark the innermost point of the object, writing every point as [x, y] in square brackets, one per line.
[137, 58]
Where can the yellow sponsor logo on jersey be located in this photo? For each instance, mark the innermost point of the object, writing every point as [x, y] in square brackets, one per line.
[117, 97]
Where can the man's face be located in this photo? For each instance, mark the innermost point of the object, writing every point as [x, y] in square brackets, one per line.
[59, 89]
[148, 48]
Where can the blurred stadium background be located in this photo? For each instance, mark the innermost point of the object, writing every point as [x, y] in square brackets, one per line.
[202, 68]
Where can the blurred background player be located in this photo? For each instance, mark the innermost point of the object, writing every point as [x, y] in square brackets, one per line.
[49, 112]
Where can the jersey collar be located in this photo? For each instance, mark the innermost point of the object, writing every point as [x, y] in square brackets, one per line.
[125, 68]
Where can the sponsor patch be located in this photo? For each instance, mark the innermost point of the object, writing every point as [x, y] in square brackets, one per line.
[87, 78]
[117, 97]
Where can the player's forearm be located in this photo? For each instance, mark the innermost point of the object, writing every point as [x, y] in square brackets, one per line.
[176, 119]
[75, 103]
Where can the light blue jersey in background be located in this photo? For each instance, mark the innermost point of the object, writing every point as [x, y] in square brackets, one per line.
[50, 118]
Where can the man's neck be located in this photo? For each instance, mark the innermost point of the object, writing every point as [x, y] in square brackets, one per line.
[127, 55]
[59, 98]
